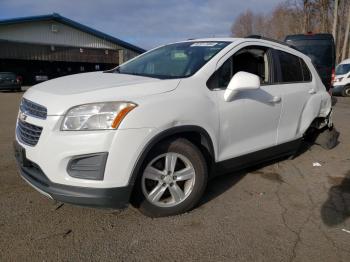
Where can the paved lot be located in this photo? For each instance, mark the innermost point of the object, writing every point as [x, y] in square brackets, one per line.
[285, 211]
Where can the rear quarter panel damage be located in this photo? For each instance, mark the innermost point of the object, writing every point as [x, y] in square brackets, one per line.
[319, 105]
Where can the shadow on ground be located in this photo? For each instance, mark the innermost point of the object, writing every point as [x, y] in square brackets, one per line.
[221, 183]
[337, 207]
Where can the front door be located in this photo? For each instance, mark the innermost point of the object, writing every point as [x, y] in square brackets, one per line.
[249, 122]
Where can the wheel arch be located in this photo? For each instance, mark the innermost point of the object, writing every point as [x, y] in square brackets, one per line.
[195, 134]
[343, 93]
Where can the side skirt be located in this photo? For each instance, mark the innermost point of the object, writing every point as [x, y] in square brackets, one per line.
[256, 158]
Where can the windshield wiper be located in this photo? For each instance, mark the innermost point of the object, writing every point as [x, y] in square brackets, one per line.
[117, 70]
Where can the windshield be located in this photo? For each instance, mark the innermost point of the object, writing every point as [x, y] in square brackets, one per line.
[173, 61]
[320, 52]
[342, 69]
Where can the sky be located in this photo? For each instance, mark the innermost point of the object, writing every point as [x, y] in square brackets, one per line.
[147, 23]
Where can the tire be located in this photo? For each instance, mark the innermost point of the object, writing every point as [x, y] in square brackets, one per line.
[171, 189]
[327, 138]
[346, 91]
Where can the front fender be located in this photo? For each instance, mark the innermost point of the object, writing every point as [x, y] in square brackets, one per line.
[207, 141]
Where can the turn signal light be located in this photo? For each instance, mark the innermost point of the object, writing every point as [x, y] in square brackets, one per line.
[118, 119]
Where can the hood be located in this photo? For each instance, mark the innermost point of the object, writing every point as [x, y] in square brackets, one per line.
[341, 76]
[60, 94]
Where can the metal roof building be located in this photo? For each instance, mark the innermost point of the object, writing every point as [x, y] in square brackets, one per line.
[50, 46]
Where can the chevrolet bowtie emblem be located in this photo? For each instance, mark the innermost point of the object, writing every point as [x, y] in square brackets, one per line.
[22, 116]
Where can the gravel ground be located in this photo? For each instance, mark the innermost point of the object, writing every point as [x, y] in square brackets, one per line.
[284, 211]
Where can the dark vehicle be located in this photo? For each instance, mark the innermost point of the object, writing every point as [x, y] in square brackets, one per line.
[321, 49]
[10, 81]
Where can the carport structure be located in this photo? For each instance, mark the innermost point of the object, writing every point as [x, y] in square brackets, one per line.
[53, 46]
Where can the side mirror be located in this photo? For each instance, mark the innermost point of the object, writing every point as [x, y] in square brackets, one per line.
[239, 82]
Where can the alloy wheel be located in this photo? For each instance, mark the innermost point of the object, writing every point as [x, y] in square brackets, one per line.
[168, 179]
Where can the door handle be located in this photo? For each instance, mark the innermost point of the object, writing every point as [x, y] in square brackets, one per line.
[312, 91]
[275, 99]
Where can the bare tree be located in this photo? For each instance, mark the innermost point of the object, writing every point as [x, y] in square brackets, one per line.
[324, 6]
[346, 36]
[298, 17]
[284, 20]
[306, 10]
[243, 24]
[342, 24]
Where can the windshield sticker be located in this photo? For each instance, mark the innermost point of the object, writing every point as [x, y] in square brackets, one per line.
[207, 44]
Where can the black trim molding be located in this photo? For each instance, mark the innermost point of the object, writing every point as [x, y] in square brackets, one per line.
[256, 158]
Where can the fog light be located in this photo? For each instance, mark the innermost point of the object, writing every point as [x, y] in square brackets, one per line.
[91, 166]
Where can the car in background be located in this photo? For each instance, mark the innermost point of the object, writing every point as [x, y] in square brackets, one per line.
[40, 78]
[341, 84]
[321, 49]
[10, 81]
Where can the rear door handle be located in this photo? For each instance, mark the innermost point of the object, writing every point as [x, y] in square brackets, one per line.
[312, 91]
[275, 99]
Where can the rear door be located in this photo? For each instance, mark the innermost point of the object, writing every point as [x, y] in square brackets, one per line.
[295, 83]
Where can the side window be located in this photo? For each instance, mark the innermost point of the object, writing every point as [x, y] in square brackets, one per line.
[252, 59]
[306, 71]
[291, 69]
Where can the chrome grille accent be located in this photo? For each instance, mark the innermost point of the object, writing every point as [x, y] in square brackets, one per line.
[33, 109]
[28, 133]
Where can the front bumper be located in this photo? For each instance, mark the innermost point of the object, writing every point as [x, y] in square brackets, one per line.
[55, 149]
[337, 89]
[117, 197]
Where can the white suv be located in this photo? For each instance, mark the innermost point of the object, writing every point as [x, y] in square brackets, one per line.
[153, 130]
[341, 84]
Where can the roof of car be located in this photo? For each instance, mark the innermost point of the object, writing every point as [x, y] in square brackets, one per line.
[310, 36]
[67, 21]
[240, 39]
[268, 41]
[213, 39]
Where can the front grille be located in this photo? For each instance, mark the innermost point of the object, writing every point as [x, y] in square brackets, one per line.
[33, 109]
[28, 133]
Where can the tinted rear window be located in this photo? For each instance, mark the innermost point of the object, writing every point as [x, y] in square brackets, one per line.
[291, 70]
[306, 71]
[320, 51]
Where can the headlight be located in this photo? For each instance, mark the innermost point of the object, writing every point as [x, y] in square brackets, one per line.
[97, 116]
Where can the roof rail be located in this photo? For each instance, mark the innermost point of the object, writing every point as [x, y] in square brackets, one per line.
[269, 39]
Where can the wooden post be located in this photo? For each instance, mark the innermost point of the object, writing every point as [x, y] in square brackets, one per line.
[121, 56]
[345, 45]
[335, 21]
